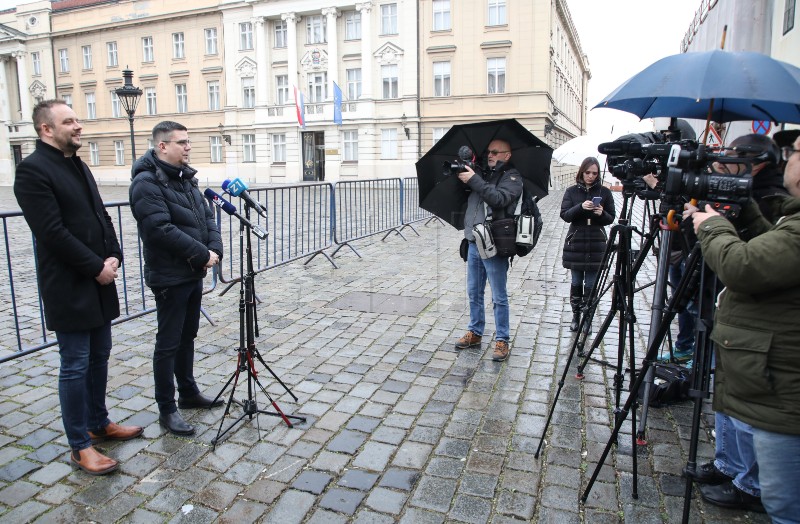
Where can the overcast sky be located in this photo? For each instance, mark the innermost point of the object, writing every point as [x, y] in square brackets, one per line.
[621, 38]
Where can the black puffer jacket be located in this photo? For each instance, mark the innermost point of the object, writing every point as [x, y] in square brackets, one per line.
[176, 225]
[585, 244]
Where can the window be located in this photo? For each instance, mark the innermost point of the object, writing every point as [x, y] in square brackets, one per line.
[216, 149]
[150, 143]
[280, 33]
[211, 41]
[150, 100]
[115, 107]
[67, 100]
[497, 75]
[282, 84]
[389, 19]
[181, 98]
[352, 25]
[248, 92]
[245, 36]
[497, 12]
[315, 29]
[91, 107]
[788, 15]
[119, 153]
[177, 46]
[388, 143]
[279, 148]
[354, 84]
[249, 144]
[213, 95]
[63, 59]
[351, 146]
[389, 75]
[86, 52]
[94, 154]
[441, 15]
[438, 133]
[441, 79]
[36, 58]
[111, 51]
[316, 86]
[147, 49]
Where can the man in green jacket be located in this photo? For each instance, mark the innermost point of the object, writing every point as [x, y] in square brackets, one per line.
[757, 335]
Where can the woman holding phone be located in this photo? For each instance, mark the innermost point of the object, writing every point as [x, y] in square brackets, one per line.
[588, 207]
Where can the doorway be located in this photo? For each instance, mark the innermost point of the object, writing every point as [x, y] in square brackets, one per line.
[313, 156]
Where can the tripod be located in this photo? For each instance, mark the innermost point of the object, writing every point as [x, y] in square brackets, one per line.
[247, 353]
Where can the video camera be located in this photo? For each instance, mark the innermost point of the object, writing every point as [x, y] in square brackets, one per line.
[465, 158]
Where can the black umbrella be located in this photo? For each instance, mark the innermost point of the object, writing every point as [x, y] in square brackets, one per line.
[446, 196]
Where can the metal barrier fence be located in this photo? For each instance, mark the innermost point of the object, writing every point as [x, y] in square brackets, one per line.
[302, 221]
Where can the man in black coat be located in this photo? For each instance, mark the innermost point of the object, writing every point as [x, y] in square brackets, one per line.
[181, 242]
[78, 256]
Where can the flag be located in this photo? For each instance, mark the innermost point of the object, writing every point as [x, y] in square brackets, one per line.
[337, 104]
[300, 107]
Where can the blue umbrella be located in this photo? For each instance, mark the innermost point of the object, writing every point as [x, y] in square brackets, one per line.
[742, 85]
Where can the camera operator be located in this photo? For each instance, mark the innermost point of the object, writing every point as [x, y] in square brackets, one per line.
[500, 190]
[756, 334]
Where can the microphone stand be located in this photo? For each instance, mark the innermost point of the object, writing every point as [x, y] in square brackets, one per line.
[247, 353]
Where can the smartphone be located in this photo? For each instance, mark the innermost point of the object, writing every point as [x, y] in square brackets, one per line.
[596, 201]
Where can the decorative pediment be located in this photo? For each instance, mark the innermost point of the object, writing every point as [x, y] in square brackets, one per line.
[388, 53]
[315, 60]
[246, 68]
[38, 90]
[10, 34]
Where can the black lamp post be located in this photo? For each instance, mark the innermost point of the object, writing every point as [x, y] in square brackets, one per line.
[129, 96]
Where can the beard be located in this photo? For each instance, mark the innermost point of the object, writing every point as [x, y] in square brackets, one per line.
[69, 144]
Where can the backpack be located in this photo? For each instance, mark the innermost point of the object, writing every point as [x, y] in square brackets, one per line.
[670, 385]
[529, 222]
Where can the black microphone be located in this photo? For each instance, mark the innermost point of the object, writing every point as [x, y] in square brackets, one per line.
[229, 208]
[238, 188]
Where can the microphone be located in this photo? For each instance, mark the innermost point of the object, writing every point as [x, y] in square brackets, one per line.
[238, 188]
[229, 208]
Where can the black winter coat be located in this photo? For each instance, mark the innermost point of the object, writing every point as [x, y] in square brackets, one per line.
[585, 244]
[176, 224]
[74, 235]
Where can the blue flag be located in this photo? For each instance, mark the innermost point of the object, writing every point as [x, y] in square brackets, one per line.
[337, 104]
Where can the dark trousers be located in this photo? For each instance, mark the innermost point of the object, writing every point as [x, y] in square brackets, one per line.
[82, 382]
[178, 311]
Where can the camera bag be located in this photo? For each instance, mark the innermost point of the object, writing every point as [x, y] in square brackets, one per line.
[670, 385]
[484, 241]
[504, 233]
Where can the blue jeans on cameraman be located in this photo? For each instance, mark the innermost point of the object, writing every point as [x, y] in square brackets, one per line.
[778, 457]
[178, 312]
[686, 318]
[735, 454]
[495, 270]
[82, 382]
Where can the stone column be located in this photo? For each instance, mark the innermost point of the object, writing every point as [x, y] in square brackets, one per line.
[291, 44]
[5, 113]
[366, 48]
[22, 78]
[333, 49]
[262, 61]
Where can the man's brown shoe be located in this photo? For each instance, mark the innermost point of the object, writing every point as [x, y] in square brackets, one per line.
[501, 351]
[93, 462]
[116, 432]
[469, 340]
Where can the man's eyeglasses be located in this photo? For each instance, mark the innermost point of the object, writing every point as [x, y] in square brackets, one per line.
[788, 151]
[182, 143]
[495, 152]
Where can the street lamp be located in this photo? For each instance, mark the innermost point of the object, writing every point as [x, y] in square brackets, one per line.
[129, 96]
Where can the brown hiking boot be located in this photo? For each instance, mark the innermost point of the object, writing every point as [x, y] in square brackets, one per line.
[501, 351]
[469, 340]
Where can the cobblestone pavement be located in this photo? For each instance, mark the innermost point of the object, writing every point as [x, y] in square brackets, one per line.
[400, 426]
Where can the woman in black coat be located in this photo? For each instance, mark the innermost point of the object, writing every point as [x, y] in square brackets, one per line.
[586, 239]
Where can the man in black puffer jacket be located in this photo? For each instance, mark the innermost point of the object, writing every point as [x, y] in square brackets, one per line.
[181, 241]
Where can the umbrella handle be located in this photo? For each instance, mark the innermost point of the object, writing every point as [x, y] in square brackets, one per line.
[711, 104]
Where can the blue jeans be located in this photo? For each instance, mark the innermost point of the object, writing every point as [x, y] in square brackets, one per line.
[778, 456]
[494, 269]
[178, 312]
[82, 382]
[735, 455]
[583, 278]
[686, 318]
